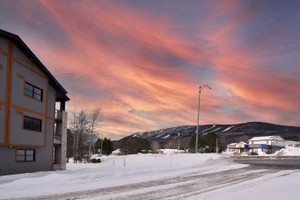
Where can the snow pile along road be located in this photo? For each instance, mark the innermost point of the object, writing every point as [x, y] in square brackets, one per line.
[290, 151]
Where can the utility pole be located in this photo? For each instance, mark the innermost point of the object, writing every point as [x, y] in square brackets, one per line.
[197, 131]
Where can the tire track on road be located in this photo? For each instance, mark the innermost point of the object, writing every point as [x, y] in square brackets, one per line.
[178, 187]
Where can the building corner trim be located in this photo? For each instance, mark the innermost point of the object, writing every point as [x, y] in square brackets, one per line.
[8, 93]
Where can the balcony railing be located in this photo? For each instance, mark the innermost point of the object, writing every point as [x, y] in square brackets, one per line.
[57, 139]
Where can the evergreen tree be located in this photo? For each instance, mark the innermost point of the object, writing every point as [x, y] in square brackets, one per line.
[97, 145]
[107, 146]
[193, 143]
[135, 145]
[210, 141]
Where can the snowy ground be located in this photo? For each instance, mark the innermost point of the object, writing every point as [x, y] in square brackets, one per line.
[180, 176]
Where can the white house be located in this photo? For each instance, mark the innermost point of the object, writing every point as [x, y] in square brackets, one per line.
[116, 152]
[263, 145]
[266, 144]
[237, 148]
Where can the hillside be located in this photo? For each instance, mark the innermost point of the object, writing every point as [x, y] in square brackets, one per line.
[179, 137]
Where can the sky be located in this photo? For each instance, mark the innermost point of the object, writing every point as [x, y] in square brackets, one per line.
[143, 61]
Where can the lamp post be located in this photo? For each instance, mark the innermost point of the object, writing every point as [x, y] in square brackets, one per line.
[197, 131]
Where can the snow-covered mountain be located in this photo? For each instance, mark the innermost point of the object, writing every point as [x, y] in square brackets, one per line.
[228, 132]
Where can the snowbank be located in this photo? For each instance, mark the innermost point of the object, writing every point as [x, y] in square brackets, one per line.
[289, 151]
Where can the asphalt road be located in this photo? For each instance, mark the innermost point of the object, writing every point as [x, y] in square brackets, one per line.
[288, 161]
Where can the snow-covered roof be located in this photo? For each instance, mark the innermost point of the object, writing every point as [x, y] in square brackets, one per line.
[238, 143]
[117, 151]
[273, 137]
[170, 151]
[242, 142]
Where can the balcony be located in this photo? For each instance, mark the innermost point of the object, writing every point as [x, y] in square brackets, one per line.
[58, 116]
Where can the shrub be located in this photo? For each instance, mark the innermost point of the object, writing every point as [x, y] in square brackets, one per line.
[94, 160]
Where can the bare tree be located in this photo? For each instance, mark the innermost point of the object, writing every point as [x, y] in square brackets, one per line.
[95, 118]
[80, 129]
[74, 128]
[83, 128]
[155, 146]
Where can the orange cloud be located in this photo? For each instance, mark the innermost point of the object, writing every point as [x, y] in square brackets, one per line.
[135, 82]
[144, 67]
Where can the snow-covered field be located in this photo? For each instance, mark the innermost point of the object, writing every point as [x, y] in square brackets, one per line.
[148, 176]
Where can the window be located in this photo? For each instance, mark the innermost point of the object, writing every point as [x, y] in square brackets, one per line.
[32, 124]
[25, 155]
[33, 92]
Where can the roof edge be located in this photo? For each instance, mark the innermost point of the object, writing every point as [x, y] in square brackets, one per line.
[26, 50]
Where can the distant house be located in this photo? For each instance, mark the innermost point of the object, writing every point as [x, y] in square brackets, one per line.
[258, 145]
[237, 148]
[266, 144]
[170, 151]
[32, 132]
[116, 152]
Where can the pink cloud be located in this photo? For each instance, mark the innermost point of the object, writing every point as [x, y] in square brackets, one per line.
[145, 74]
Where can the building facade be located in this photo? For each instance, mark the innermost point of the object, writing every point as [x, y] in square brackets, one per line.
[267, 144]
[237, 148]
[257, 146]
[32, 132]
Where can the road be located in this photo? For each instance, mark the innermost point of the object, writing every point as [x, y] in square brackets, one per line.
[179, 187]
[293, 161]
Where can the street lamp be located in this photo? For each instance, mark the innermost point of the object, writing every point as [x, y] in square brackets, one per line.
[197, 131]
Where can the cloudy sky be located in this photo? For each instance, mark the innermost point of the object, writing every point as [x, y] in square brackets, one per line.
[143, 61]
